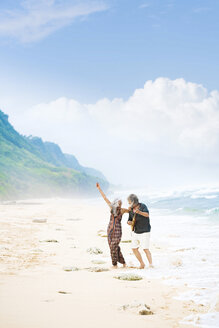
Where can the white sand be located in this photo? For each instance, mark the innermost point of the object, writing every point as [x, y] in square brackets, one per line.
[31, 272]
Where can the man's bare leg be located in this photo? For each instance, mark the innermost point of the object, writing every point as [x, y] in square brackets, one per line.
[138, 256]
[149, 257]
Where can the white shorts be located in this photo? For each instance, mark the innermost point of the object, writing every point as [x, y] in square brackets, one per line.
[140, 240]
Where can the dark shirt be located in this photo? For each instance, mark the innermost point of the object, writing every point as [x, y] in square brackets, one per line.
[142, 224]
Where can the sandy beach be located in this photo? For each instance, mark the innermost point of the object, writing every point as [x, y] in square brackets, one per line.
[48, 272]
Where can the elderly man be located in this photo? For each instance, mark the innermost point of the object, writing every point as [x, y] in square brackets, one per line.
[139, 219]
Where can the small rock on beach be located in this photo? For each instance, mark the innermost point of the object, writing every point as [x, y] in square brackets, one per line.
[135, 307]
[94, 250]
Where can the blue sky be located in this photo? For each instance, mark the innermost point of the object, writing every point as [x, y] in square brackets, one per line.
[64, 63]
[111, 52]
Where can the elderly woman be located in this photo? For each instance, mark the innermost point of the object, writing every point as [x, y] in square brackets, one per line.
[114, 230]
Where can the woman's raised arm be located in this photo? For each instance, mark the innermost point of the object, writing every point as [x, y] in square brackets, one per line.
[103, 195]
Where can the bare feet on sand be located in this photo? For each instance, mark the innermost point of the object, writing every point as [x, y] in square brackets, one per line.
[114, 267]
[135, 267]
[142, 266]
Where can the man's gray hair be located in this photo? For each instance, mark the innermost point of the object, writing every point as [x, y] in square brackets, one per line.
[133, 199]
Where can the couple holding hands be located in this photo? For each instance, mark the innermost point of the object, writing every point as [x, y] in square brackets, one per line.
[139, 222]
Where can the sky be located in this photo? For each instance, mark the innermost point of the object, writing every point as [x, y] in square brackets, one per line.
[129, 87]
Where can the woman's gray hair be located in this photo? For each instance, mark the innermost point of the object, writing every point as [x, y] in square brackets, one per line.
[133, 199]
[115, 205]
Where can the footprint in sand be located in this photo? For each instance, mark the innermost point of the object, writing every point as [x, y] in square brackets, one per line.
[177, 262]
[70, 268]
[49, 241]
[98, 262]
[74, 219]
[128, 277]
[97, 269]
[39, 220]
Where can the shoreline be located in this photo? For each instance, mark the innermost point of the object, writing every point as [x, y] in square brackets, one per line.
[34, 257]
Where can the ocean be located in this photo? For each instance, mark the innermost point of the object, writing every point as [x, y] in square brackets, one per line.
[186, 225]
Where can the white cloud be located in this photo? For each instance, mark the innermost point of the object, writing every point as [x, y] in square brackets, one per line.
[36, 19]
[166, 119]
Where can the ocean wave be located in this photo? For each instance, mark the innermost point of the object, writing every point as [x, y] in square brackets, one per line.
[192, 202]
[213, 211]
[204, 196]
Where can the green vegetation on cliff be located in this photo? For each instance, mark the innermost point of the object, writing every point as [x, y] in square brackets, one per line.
[30, 167]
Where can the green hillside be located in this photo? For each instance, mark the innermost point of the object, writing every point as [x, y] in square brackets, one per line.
[52, 153]
[30, 167]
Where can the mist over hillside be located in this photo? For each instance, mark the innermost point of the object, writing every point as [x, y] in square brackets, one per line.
[30, 167]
